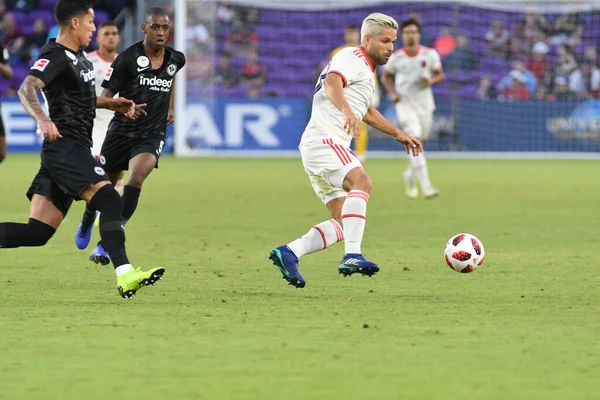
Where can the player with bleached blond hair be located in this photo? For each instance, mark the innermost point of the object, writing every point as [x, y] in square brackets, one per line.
[342, 99]
[415, 69]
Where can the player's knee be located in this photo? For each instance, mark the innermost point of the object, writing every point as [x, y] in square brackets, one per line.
[39, 233]
[137, 178]
[363, 183]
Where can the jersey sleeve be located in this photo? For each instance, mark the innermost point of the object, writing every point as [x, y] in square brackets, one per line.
[49, 66]
[347, 66]
[435, 61]
[117, 75]
[181, 60]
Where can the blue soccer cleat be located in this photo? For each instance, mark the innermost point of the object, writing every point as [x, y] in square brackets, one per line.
[353, 263]
[82, 238]
[99, 255]
[287, 262]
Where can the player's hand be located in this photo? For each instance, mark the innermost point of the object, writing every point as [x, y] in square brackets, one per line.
[426, 81]
[352, 124]
[395, 98]
[138, 111]
[47, 129]
[412, 144]
[170, 116]
[122, 105]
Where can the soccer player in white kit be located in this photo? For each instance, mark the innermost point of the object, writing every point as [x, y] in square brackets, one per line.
[415, 69]
[108, 39]
[342, 99]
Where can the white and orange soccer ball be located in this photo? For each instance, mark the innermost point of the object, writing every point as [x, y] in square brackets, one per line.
[464, 252]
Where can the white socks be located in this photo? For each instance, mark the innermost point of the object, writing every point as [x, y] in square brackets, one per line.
[318, 238]
[354, 218]
[123, 269]
[418, 167]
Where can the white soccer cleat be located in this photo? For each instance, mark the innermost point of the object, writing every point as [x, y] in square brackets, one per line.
[411, 185]
[430, 193]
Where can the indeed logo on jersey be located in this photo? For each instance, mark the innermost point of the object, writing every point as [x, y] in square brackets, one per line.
[163, 85]
[88, 76]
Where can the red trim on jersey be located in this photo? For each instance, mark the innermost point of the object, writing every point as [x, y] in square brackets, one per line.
[322, 236]
[367, 58]
[341, 75]
[354, 216]
[97, 53]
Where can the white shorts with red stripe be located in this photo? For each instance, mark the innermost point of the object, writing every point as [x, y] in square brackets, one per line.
[327, 164]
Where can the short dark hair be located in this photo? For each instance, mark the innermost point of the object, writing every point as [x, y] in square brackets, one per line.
[409, 22]
[154, 12]
[106, 24]
[67, 9]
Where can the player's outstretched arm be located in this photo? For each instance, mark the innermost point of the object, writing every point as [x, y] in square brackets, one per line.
[120, 104]
[389, 86]
[378, 121]
[334, 89]
[29, 99]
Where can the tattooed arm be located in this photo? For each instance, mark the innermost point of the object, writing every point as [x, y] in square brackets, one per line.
[29, 100]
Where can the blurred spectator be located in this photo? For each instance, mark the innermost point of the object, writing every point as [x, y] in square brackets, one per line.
[537, 27]
[253, 92]
[585, 81]
[35, 41]
[568, 29]
[542, 93]
[590, 54]
[528, 77]
[253, 73]
[224, 13]
[561, 89]
[426, 38]
[463, 58]
[538, 63]
[517, 89]
[242, 40]
[351, 39]
[224, 74]
[445, 43]
[11, 33]
[252, 19]
[566, 62]
[497, 39]
[518, 43]
[486, 90]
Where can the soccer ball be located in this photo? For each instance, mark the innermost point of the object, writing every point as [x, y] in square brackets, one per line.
[464, 252]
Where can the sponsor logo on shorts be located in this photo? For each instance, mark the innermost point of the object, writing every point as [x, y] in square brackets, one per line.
[99, 171]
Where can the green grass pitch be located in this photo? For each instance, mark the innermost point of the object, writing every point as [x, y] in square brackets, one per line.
[223, 324]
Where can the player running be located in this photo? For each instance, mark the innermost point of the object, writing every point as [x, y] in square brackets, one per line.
[342, 99]
[145, 73]
[108, 39]
[68, 171]
[415, 69]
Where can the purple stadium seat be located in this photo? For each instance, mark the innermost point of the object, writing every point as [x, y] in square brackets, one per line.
[46, 15]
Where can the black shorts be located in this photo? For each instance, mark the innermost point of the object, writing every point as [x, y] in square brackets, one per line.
[117, 150]
[67, 170]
